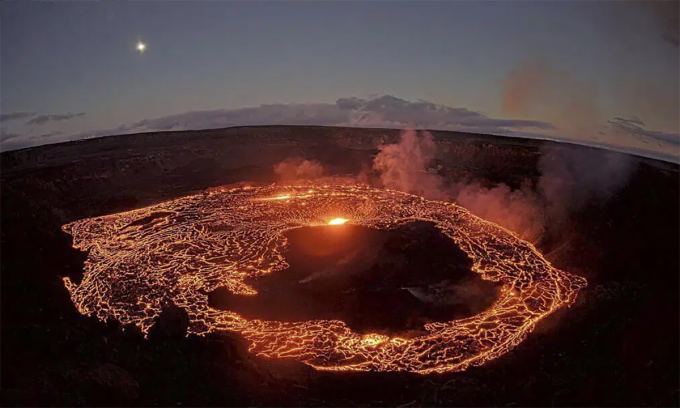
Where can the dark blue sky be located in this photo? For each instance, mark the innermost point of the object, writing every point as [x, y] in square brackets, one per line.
[575, 65]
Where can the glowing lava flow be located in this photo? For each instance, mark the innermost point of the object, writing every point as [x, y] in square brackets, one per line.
[338, 221]
[178, 251]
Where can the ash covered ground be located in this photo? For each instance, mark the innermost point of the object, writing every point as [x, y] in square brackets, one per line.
[609, 217]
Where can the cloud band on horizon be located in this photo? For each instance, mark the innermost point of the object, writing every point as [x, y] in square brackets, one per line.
[385, 111]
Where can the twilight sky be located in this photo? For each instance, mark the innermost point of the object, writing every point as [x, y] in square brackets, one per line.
[596, 72]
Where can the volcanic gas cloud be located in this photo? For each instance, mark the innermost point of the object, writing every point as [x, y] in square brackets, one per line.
[178, 251]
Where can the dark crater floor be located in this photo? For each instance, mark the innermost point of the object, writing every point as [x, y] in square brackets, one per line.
[386, 281]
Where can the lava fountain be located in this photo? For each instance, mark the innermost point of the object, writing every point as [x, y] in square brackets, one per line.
[178, 251]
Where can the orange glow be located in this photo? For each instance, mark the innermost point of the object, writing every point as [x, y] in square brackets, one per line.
[178, 251]
[337, 221]
[281, 197]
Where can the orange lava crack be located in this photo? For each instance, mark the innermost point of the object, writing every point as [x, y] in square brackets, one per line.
[178, 251]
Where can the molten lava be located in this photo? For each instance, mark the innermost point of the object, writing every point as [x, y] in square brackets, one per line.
[178, 251]
[337, 221]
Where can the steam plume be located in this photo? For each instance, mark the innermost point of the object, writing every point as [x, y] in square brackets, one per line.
[403, 166]
[518, 210]
[569, 178]
[530, 88]
[298, 169]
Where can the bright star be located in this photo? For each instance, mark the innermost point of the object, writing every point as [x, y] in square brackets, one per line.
[141, 47]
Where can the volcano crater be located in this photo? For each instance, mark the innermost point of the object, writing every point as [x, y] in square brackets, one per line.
[391, 282]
